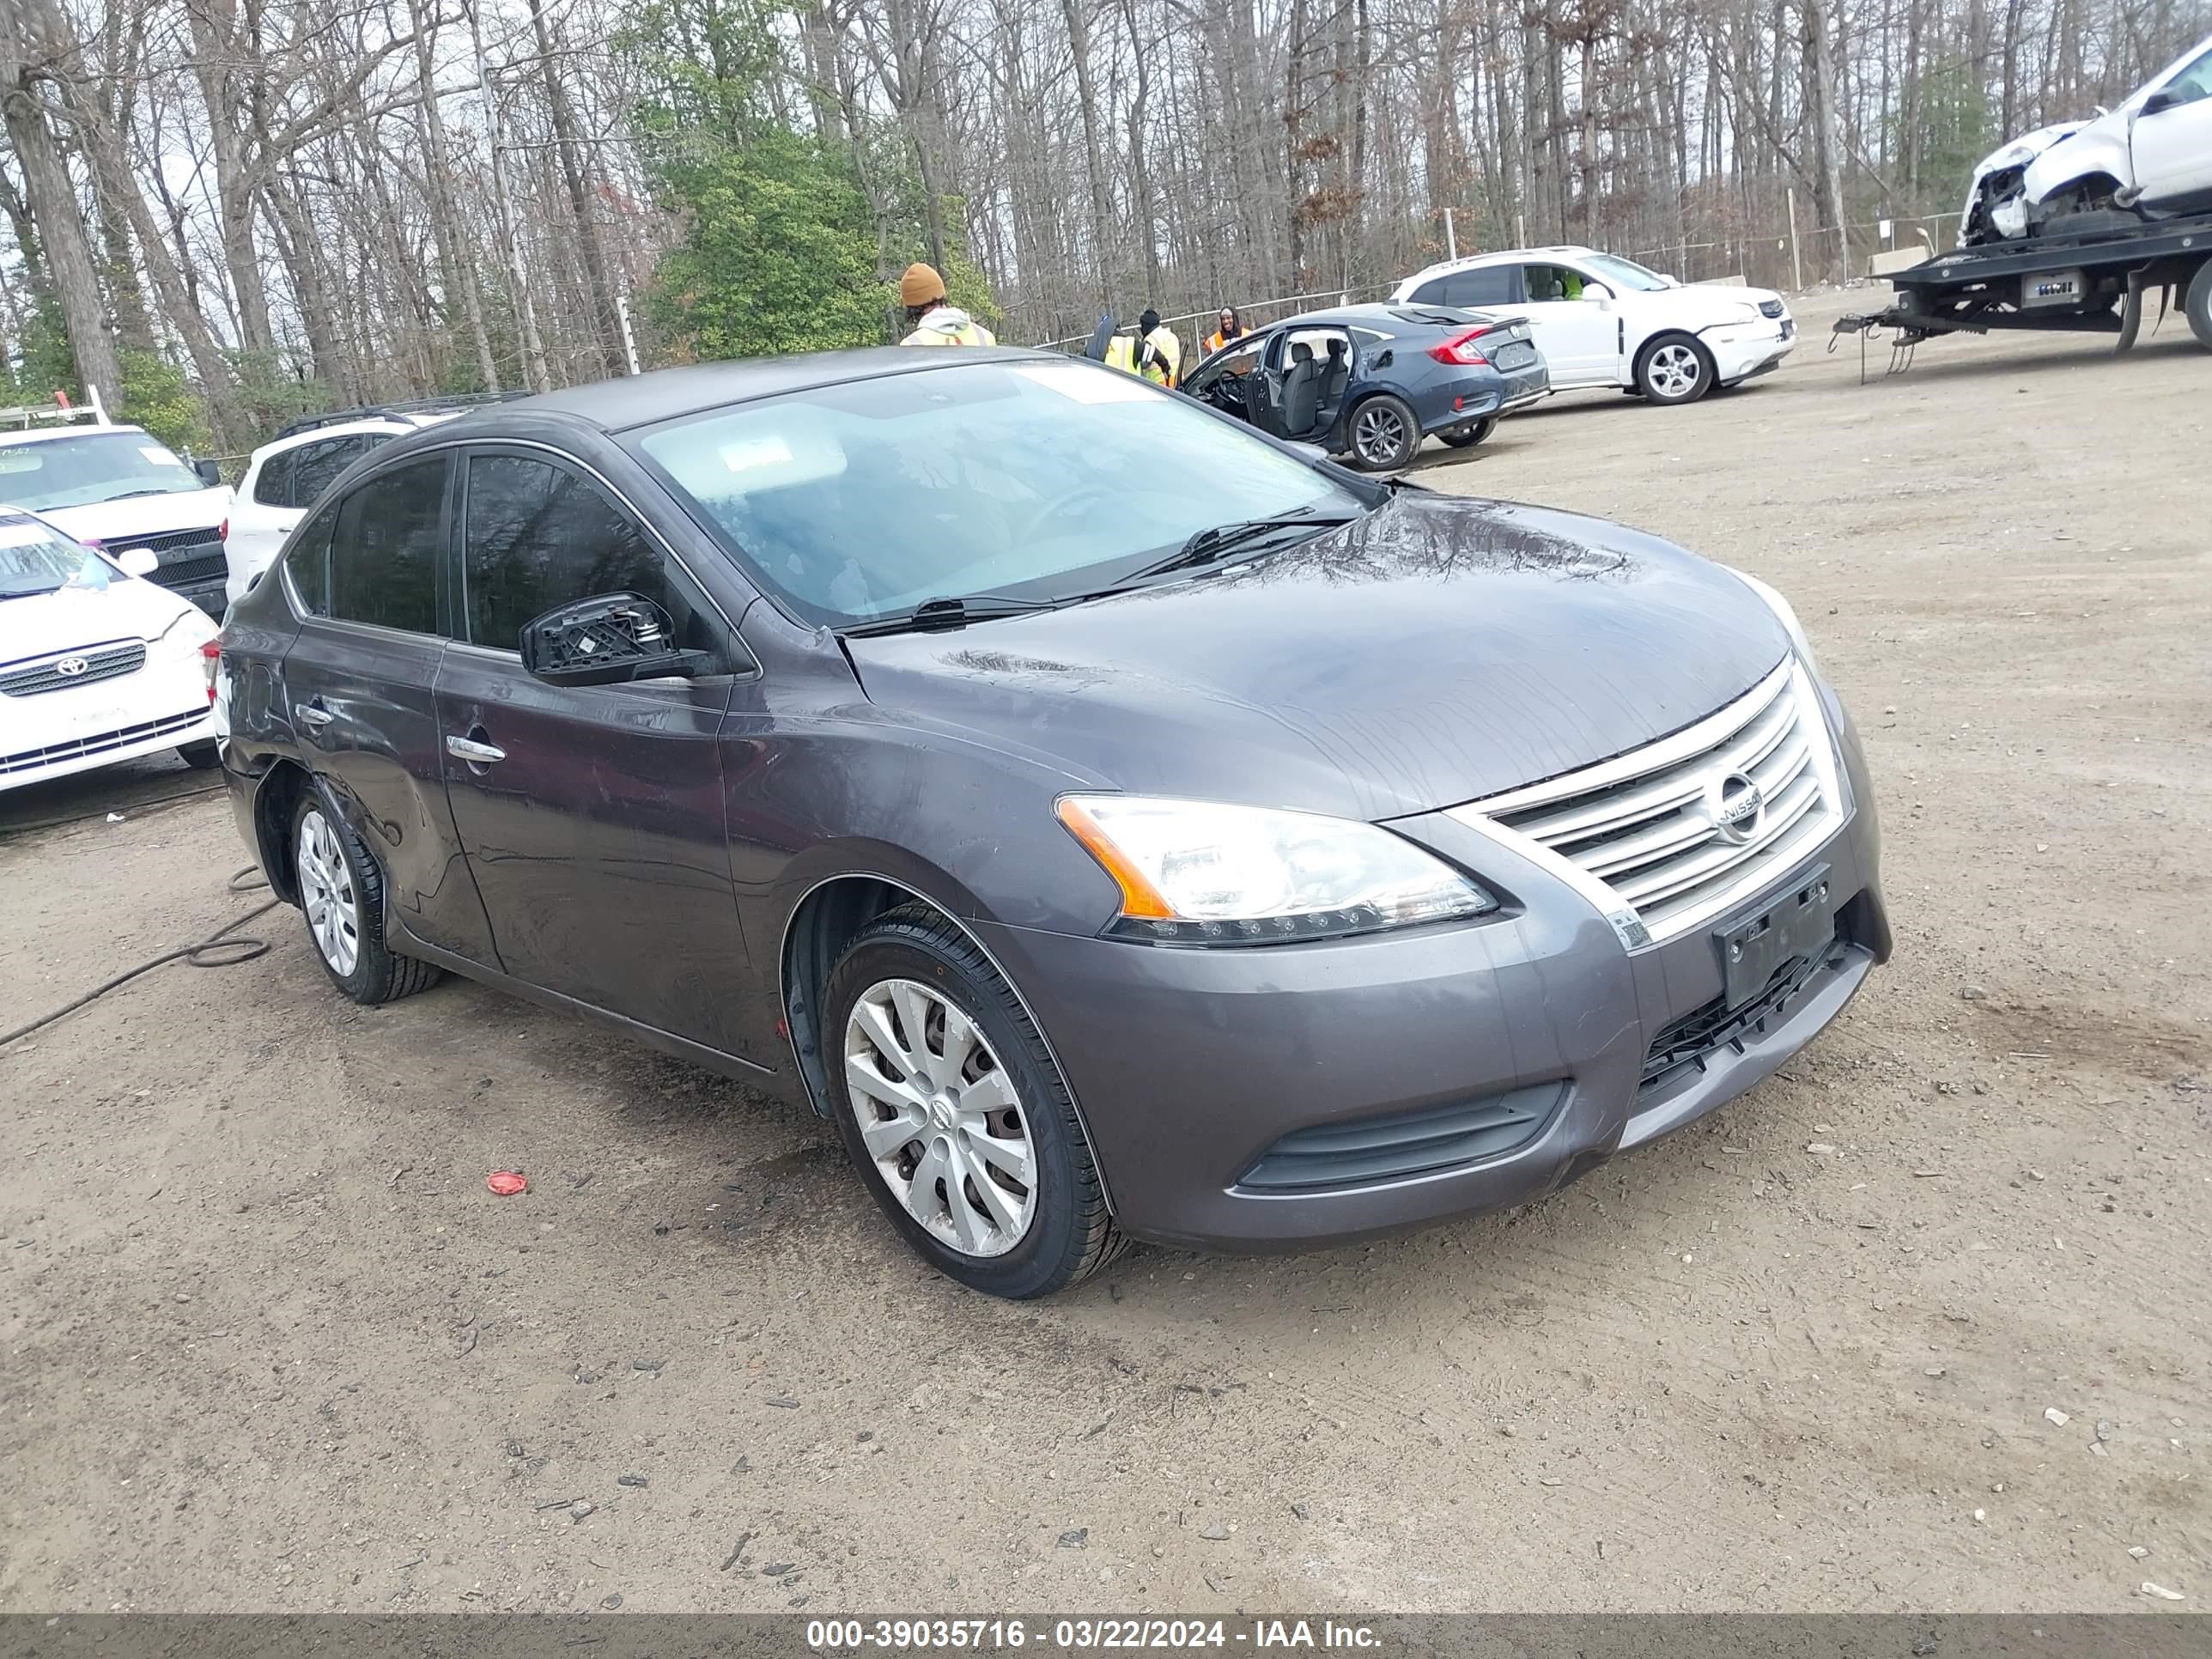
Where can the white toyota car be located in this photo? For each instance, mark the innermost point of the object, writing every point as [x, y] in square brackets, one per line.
[1602, 320]
[97, 664]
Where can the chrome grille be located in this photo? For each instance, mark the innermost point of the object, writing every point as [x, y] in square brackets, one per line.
[1670, 832]
[96, 662]
[98, 743]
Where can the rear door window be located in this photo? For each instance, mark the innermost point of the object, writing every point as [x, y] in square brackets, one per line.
[536, 535]
[308, 561]
[384, 552]
[1492, 285]
[316, 466]
[272, 485]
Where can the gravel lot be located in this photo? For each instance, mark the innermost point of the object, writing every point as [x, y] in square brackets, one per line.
[266, 1342]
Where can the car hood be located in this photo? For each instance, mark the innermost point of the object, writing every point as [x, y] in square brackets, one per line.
[113, 524]
[1435, 652]
[39, 624]
[2018, 153]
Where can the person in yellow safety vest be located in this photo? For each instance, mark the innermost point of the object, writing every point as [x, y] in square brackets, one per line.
[1159, 353]
[1231, 330]
[935, 323]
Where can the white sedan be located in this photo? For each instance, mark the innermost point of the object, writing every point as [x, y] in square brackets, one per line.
[1602, 320]
[97, 665]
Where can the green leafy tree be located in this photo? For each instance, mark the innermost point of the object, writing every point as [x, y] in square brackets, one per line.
[778, 253]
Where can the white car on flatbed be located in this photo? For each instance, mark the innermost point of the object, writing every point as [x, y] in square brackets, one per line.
[119, 487]
[97, 664]
[1602, 321]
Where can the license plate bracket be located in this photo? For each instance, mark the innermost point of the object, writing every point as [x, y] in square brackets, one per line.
[1800, 922]
[1516, 355]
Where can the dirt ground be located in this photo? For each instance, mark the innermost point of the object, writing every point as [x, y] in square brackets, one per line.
[267, 1343]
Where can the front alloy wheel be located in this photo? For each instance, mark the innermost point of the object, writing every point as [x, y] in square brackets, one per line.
[940, 1117]
[1674, 371]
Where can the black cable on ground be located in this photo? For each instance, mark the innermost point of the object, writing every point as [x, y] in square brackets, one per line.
[224, 948]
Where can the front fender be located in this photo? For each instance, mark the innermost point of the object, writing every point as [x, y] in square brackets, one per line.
[2100, 147]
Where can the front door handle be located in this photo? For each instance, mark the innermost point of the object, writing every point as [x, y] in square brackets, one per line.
[475, 753]
[312, 714]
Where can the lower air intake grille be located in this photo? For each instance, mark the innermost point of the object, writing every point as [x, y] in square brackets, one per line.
[100, 742]
[1404, 1144]
[1703, 1031]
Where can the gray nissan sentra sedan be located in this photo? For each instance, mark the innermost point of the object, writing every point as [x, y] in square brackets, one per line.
[1120, 823]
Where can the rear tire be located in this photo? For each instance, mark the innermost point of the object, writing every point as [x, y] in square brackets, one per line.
[1467, 437]
[2198, 304]
[341, 895]
[935, 1127]
[1674, 369]
[200, 756]
[1384, 433]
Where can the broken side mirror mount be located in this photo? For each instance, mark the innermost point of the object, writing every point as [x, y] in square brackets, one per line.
[607, 640]
[2157, 104]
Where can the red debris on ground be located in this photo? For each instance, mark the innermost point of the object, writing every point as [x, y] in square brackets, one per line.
[507, 1183]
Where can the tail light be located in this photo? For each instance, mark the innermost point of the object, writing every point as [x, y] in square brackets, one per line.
[211, 659]
[1461, 349]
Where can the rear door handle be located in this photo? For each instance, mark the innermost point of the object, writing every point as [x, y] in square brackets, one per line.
[311, 713]
[475, 753]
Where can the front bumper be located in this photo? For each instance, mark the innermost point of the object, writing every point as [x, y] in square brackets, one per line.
[1739, 353]
[1195, 1070]
[51, 734]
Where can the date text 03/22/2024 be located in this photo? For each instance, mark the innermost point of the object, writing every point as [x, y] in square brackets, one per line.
[1079, 1635]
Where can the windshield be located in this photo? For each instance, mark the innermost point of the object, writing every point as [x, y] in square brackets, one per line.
[34, 559]
[1626, 272]
[96, 466]
[1041, 480]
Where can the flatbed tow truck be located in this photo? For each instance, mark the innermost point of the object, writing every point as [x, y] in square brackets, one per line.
[2090, 277]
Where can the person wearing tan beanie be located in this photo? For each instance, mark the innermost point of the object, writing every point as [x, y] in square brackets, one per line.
[935, 322]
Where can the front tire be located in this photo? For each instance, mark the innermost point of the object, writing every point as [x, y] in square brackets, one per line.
[1385, 433]
[1467, 437]
[952, 1109]
[1674, 369]
[341, 895]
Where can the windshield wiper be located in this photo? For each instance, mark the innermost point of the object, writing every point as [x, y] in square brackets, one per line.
[933, 615]
[133, 494]
[1218, 541]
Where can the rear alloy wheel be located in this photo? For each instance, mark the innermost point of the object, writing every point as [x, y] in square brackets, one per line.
[1467, 437]
[1384, 433]
[951, 1106]
[1674, 369]
[342, 892]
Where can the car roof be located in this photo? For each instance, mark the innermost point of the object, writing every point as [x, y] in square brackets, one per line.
[395, 424]
[1392, 318]
[88, 429]
[665, 394]
[1502, 256]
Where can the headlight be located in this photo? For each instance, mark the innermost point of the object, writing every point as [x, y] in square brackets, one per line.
[188, 630]
[1201, 872]
[1784, 614]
